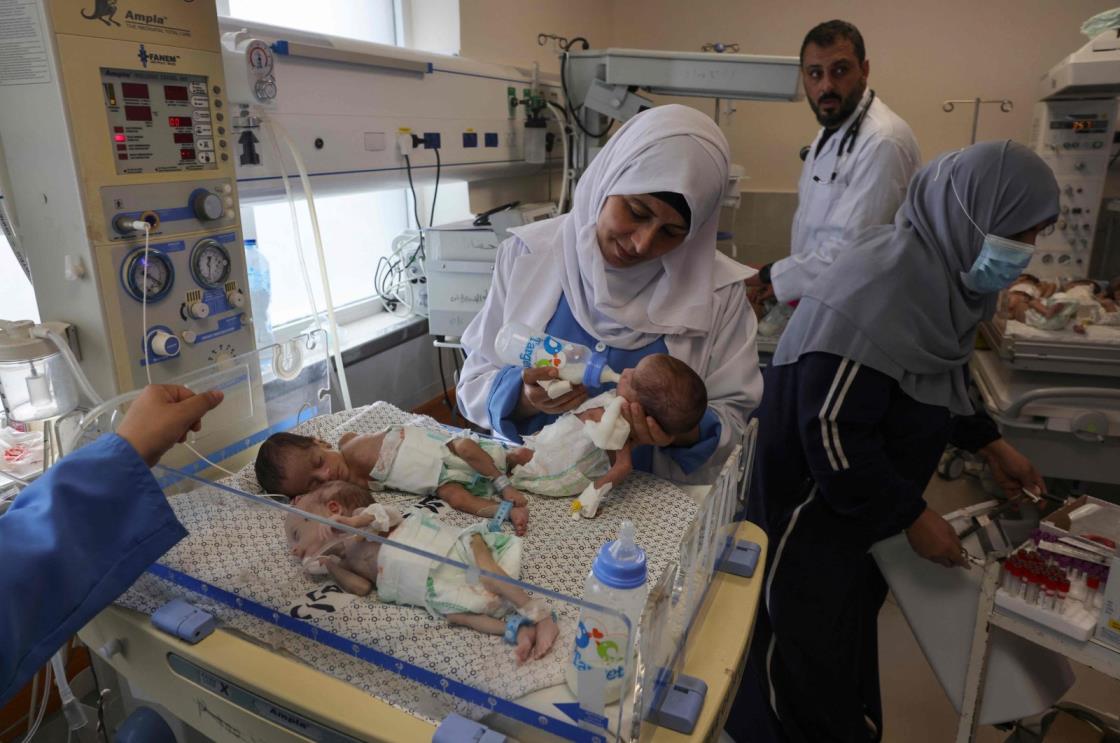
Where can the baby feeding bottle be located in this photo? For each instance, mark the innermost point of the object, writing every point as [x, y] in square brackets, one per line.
[520, 345]
[601, 657]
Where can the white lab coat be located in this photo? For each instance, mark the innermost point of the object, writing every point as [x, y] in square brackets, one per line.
[526, 289]
[869, 187]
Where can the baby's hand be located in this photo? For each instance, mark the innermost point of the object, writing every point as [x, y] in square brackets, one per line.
[519, 517]
[514, 496]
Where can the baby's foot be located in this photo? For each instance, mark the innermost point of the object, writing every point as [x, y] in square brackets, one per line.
[526, 636]
[547, 632]
[519, 517]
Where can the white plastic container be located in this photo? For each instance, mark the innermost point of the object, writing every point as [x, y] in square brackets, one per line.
[602, 653]
[520, 345]
[1023, 679]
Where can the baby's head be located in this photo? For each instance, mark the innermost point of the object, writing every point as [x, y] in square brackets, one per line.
[290, 464]
[307, 537]
[1026, 278]
[669, 391]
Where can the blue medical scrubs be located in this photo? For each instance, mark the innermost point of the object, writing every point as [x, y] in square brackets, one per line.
[71, 543]
[505, 393]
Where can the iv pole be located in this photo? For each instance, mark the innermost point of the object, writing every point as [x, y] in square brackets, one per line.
[1005, 105]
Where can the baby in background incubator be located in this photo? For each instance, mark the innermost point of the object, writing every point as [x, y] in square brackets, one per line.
[1042, 305]
[463, 472]
[587, 451]
[400, 577]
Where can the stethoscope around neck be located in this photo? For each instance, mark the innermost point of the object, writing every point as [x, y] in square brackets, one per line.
[848, 141]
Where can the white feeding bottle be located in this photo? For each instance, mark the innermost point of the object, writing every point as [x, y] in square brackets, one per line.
[520, 345]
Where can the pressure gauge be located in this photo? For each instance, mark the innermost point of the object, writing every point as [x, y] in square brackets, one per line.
[210, 264]
[153, 283]
[259, 57]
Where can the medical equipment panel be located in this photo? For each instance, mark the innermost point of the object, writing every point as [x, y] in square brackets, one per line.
[155, 118]
[127, 124]
[459, 266]
[1075, 138]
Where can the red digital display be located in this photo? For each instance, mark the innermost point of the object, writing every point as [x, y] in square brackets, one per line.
[178, 121]
[137, 113]
[184, 138]
[134, 90]
[186, 154]
[120, 138]
[175, 93]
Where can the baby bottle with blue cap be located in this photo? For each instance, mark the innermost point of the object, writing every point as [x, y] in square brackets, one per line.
[601, 656]
[520, 345]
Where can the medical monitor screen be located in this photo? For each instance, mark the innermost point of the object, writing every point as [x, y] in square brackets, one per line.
[159, 122]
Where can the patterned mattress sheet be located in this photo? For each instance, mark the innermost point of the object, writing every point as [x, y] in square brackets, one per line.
[239, 546]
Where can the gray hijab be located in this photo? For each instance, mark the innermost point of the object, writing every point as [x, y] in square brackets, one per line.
[894, 299]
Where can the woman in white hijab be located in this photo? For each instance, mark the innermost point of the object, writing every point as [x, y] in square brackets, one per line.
[632, 270]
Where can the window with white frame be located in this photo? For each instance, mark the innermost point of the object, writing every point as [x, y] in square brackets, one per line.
[17, 299]
[368, 20]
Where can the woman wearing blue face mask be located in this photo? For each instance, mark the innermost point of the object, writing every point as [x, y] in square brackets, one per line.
[868, 385]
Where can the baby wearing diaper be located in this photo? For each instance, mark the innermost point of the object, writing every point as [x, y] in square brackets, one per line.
[463, 472]
[401, 577]
[587, 451]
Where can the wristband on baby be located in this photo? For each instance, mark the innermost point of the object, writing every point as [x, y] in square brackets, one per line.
[513, 625]
[501, 482]
[500, 516]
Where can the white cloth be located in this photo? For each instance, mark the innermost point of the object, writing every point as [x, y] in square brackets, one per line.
[667, 148]
[869, 187]
[384, 517]
[1026, 287]
[526, 289]
[612, 430]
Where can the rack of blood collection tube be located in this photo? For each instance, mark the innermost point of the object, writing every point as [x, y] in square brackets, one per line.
[1055, 589]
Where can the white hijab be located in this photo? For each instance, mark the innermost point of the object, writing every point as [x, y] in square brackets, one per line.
[667, 148]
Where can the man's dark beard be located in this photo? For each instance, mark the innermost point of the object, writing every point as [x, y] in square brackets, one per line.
[846, 108]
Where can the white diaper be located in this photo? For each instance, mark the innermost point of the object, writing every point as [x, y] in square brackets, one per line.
[565, 460]
[411, 460]
[406, 578]
[417, 460]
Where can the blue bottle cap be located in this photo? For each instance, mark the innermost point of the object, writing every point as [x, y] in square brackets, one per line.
[621, 563]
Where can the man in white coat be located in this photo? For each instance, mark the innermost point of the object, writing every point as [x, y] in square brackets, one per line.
[857, 169]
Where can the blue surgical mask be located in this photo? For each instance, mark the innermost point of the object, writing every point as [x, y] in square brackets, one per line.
[1001, 259]
[1000, 262]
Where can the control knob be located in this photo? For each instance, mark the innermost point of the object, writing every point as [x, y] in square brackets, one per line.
[198, 310]
[164, 344]
[206, 206]
[236, 298]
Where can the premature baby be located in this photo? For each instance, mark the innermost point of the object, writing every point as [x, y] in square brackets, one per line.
[586, 452]
[359, 565]
[1041, 305]
[463, 472]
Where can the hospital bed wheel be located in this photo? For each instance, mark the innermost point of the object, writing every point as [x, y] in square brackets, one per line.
[951, 466]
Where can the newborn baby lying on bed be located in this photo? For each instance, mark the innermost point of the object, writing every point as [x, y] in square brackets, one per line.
[586, 452]
[402, 577]
[1041, 305]
[463, 472]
